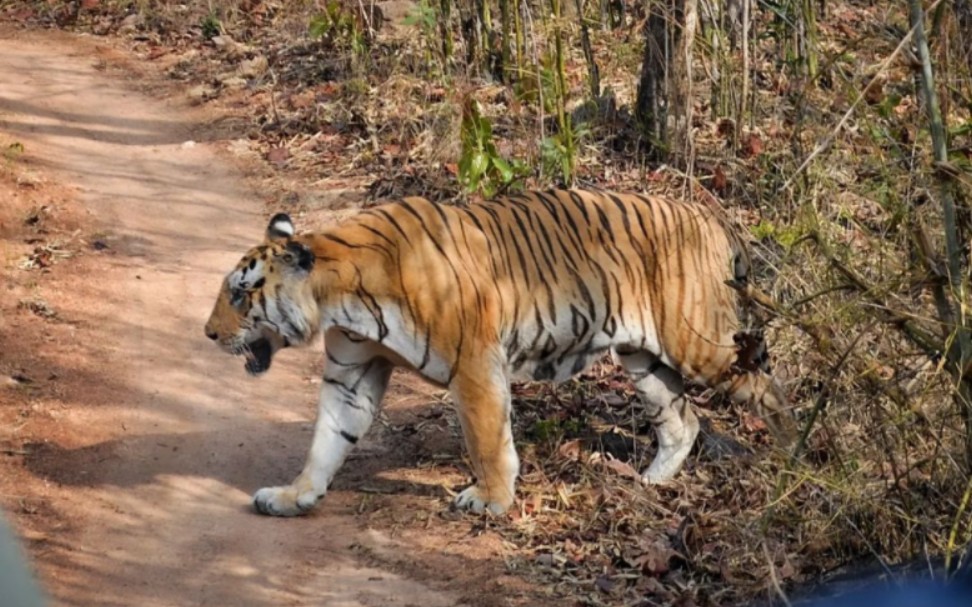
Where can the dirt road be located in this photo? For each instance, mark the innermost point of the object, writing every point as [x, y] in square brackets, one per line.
[149, 466]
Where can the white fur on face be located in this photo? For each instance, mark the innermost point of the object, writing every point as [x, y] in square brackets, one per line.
[245, 277]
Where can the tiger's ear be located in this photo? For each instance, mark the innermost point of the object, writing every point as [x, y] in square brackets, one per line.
[298, 256]
[281, 229]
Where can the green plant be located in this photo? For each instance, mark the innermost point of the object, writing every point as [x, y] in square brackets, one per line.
[425, 16]
[558, 152]
[13, 151]
[211, 26]
[481, 167]
[339, 26]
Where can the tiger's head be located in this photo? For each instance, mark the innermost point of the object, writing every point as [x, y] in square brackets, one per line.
[266, 303]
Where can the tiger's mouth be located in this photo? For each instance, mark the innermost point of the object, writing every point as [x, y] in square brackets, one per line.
[258, 355]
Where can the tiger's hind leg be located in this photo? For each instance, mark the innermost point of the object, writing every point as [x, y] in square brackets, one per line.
[483, 404]
[662, 391]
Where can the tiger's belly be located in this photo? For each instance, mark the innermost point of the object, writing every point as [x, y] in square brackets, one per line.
[559, 355]
[555, 368]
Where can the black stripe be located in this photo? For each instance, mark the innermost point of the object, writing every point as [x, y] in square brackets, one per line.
[455, 273]
[550, 206]
[377, 313]
[586, 294]
[579, 203]
[579, 324]
[348, 402]
[388, 217]
[428, 345]
[379, 234]
[455, 364]
[334, 360]
[338, 384]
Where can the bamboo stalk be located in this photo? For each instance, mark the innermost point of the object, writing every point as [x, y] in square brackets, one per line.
[959, 354]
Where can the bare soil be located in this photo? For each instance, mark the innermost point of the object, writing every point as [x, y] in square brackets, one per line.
[129, 446]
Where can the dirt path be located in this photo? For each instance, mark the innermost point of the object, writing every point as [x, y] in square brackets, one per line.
[150, 474]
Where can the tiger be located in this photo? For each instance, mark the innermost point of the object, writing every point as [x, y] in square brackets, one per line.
[526, 286]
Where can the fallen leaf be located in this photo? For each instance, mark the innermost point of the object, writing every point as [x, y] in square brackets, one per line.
[570, 449]
[655, 558]
[751, 146]
[719, 181]
[619, 467]
[278, 155]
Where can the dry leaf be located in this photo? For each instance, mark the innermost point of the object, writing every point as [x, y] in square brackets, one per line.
[619, 467]
[571, 449]
[278, 155]
[719, 181]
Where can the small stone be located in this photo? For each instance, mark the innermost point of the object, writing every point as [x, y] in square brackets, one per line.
[200, 93]
[129, 24]
[234, 82]
[251, 68]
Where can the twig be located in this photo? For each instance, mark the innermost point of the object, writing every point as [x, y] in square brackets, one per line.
[821, 401]
[953, 533]
[775, 581]
[917, 336]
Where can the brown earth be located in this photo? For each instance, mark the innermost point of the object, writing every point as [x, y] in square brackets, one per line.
[129, 444]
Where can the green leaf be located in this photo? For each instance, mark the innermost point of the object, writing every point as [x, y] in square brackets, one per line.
[504, 169]
[485, 129]
[478, 165]
[319, 26]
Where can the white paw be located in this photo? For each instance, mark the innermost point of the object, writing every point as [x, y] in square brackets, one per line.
[471, 498]
[665, 466]
[650, 477]
[284, 501]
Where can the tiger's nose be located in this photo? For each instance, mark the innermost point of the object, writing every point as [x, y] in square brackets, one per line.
[211, 334]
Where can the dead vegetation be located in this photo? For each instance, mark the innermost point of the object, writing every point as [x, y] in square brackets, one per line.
[809, 124]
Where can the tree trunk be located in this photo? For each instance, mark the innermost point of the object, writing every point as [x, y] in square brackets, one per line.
[594, 75]
[664, 104]
[681, 83]
[651, 108]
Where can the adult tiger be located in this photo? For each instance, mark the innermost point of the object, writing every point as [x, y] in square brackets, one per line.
[532, 286]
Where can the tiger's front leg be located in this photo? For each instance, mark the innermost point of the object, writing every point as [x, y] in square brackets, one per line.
[354, 383]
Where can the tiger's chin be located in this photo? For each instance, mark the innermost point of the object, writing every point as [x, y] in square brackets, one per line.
[259, 355]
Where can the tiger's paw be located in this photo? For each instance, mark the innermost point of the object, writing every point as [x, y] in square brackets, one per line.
[284, 501]
[666, 465]
[473, 498]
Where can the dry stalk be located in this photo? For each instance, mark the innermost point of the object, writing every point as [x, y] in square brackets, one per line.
[878, 75]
